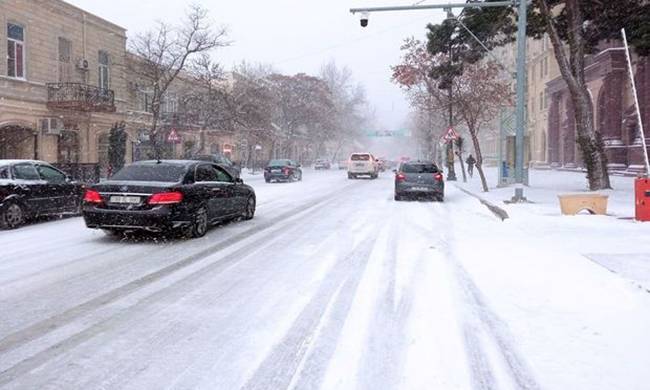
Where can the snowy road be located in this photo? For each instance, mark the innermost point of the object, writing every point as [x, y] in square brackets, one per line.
[333, 285]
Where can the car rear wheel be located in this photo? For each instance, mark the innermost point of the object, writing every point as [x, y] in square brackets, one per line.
[398, 197]
[199, 225]
[12, 216]
[249, 212]
[351, 176]
[113, 232]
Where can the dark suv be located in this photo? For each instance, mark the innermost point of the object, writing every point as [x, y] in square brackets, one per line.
[30, 189]
[419, 178]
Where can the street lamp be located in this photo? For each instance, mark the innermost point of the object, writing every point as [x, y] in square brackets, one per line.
[521, 69]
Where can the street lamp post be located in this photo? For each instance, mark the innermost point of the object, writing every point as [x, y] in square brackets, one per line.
[451, 174]
[521, 69]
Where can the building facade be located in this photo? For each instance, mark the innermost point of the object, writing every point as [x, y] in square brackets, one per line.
[609, 84]
[64, 84]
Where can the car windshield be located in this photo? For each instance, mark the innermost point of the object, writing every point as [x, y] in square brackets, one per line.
[419, 168]
[279, 163]
[155, 172]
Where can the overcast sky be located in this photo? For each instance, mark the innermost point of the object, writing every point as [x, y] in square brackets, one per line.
[297, 36]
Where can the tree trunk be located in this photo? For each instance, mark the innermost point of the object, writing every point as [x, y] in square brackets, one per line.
[590, 141]
[479, 158]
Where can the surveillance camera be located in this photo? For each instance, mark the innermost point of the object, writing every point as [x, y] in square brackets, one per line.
[364, 19]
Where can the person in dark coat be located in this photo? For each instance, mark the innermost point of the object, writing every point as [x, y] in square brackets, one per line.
[471, 161]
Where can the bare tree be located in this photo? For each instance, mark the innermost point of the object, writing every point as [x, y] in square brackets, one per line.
[160, 55]
[478, 95]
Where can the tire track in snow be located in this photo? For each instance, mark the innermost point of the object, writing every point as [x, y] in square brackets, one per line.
[335, 294]
[491, 324]
[49, 325]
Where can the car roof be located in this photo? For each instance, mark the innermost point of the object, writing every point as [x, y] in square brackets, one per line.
[14, 162]
[170, 162]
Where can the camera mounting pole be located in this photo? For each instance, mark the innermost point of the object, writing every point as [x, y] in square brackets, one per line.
[521, 70]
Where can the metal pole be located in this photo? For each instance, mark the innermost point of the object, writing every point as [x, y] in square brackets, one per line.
[434, 6]
[636, 104]
[521, 103]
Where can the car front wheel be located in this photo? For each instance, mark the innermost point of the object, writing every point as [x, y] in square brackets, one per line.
[249, 212]
[12, 216]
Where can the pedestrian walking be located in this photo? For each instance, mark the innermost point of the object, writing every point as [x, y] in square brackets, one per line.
[471, 161]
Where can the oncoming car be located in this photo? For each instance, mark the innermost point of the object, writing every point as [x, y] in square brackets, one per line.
[167, 195]
[363, 164]
[419, 178]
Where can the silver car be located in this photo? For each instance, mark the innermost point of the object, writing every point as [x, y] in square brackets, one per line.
[419, 179]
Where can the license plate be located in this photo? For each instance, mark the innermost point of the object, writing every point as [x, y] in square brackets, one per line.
[125, 199]
[276, 170]
[359, 165]
[420, 189]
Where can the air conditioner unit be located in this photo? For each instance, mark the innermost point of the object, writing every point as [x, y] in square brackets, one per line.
[51, 126]
[83, 64]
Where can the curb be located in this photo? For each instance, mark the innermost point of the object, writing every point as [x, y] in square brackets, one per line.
[496, 210]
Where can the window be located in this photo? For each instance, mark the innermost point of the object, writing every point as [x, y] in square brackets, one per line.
[541, 70]
[4, 173]
[169, 103]
[546, 66]
[151, 172]
[541, 101]
[65, 60]
[50, 174]
[15, 51]
[104, 71]
[545, 100]
[206, 173]
[360, 157]
[419, 168]
[145, 99]
[25, 172]
[223, 176]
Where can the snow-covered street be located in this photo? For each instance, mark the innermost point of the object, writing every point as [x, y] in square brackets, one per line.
[333, 285]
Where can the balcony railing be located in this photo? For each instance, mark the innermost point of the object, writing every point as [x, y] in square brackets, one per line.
[179, 119]
[80, 97]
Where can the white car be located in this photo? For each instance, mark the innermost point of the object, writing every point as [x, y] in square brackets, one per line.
[363, 164]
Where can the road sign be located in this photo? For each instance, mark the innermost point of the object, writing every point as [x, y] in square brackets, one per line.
[450, 135]
[173, 137]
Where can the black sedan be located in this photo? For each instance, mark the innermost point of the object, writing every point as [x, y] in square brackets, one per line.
[167, 195]
[282, 170]
[31, 189]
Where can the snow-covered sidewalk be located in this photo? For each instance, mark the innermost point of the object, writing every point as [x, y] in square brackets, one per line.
[615, 241]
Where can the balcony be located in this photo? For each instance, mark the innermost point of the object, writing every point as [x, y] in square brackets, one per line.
[183, 120]
[80, 97]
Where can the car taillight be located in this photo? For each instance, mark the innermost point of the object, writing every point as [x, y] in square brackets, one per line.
[438, 176]
[92, 196]
[285, 170]
[400, 177]
[166, 198]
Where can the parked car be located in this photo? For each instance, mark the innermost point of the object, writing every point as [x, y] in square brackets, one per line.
[282, 170]
[363, 164]
[419, 178]
[167, 195]
[343, 164]
[322, 164]
[31, 189]
[221, 160]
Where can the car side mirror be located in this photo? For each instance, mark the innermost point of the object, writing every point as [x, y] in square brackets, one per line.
[394, 170]
[299, 165]
[239, 180]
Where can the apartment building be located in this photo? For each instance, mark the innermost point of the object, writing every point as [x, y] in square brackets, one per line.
[64, 83]
[61, 88]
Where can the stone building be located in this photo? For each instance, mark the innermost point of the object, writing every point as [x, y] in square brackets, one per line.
[64, 84]
[615, 117]
[59, 86]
